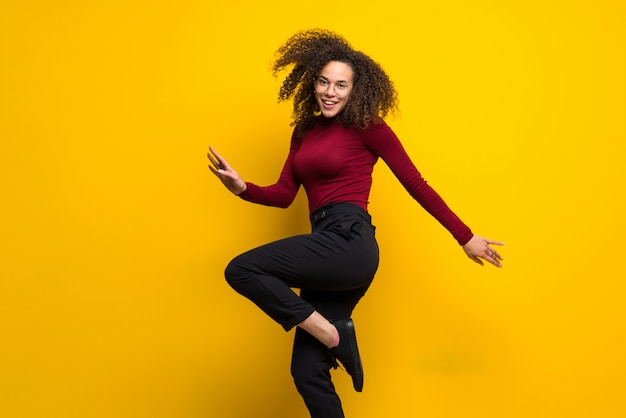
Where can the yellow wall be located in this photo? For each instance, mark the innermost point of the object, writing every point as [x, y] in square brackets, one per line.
[114, 235]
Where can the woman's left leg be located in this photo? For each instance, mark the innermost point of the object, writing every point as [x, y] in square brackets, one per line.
[333, 266]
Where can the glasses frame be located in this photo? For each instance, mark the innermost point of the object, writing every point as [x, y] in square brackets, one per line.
[338, 88]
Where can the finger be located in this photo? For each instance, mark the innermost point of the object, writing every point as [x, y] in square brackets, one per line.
[494, 254]
[215, 163]
[492, 242]
[221, 162]
[216, 172]
[221, 174]
[493, 259]
[478, 261]
[213, 158]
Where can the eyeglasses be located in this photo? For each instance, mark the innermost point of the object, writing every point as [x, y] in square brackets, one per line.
[322, 85]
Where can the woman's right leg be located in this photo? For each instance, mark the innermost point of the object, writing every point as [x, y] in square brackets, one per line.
[323, 261]
[311, 362]
[310, 368]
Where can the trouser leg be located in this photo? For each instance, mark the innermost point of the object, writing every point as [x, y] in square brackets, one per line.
[311, 362]
[333, 267]
[310, 368]
[321, 261]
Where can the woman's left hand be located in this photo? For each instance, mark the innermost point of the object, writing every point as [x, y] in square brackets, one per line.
[478, 247]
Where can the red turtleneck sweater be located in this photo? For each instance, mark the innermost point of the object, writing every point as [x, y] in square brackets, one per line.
[335, 164]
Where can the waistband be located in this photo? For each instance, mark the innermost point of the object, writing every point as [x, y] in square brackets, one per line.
[339, 208]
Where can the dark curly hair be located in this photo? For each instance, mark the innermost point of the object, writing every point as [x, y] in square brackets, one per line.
[372, 97]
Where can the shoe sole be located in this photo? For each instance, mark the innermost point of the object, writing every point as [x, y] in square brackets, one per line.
[357, 378]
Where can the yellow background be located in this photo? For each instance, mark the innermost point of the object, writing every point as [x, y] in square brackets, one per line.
[114, 234]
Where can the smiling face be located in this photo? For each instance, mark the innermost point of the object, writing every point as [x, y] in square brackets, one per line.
[332, 88]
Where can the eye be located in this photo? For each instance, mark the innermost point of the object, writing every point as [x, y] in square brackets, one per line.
[322, 82]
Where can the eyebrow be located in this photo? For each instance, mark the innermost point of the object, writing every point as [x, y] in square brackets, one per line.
[338, 81]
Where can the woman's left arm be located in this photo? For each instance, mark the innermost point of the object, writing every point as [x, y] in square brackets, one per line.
[383, 141]
[479, 248]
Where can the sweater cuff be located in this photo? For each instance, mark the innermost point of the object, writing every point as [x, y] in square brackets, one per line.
[465, 238]
[247, 194]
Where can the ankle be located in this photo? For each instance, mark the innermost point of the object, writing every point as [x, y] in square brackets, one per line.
[335, 339]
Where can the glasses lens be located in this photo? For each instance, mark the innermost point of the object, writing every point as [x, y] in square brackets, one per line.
[322, 86]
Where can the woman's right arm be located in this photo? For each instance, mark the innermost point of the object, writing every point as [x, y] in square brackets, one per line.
[229, 177]
[281, 194]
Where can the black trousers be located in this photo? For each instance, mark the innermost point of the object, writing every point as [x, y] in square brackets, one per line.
[333, 267]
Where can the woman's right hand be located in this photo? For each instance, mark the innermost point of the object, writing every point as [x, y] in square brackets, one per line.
[220, 167]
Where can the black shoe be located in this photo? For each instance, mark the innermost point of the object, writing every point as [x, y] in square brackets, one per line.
[347, 352]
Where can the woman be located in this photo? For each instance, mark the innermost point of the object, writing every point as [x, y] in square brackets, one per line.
[340, 99]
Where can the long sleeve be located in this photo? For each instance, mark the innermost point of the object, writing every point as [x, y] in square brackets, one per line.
[384, 142]
[283, 192]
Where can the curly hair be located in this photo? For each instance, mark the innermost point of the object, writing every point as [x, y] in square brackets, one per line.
[372, 97]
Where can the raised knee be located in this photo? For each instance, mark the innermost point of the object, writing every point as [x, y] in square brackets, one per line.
[239, 274]
[233, 273]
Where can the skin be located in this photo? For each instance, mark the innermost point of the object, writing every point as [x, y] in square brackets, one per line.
[477, 248]
[333, 88]
[332, 92]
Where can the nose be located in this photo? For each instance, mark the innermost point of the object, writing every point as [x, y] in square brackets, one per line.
[330, 90]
